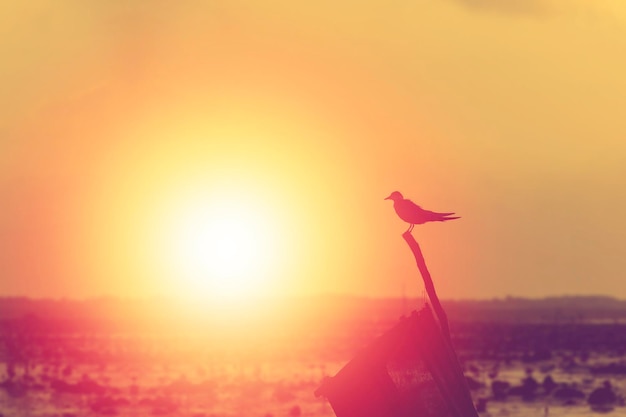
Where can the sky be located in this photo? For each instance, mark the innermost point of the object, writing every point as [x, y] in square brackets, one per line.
[157, 148]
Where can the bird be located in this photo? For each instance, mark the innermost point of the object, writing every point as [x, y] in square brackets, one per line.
[414, 214]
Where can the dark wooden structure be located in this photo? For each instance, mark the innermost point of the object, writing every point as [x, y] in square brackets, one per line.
[409, 371]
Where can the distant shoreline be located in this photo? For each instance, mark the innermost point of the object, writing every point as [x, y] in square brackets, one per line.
[566, 309]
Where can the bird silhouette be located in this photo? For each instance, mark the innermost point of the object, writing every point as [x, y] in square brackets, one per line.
[414, 214]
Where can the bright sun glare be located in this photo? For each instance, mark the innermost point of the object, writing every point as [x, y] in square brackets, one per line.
[223, 248]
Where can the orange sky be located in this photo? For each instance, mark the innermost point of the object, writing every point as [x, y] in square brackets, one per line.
[117, 119]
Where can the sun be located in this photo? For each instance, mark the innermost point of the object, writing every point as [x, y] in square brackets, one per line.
[224, 248]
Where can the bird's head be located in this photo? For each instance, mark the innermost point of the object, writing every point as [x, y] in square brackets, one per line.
[395, 196]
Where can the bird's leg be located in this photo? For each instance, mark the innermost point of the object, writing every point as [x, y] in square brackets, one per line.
[410, 229]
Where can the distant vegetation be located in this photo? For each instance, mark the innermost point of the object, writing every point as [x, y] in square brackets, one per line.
[312, 309]
[568, 309]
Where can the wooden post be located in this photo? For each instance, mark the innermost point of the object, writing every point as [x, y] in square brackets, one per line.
[460, 389]
[428, 283]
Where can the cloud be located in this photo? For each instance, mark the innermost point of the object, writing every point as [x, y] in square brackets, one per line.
[515, 7]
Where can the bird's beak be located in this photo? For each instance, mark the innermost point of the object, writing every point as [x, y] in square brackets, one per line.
[388, 197]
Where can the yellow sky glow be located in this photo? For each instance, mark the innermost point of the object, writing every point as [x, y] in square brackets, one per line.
[133, 130]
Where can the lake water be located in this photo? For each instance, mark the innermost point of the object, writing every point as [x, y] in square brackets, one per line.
[84, 374]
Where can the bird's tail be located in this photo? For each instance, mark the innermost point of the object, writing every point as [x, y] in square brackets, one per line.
[442, 217]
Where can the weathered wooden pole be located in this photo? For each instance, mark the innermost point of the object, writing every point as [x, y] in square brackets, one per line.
[459, 389]
[428, 283]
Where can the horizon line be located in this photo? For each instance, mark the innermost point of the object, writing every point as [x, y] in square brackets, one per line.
[507, 297]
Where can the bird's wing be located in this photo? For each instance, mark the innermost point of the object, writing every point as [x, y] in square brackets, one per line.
[412, 206]
[431, 214]
[412, 213]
